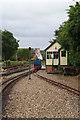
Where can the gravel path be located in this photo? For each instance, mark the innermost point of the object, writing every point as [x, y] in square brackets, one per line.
[37, 98]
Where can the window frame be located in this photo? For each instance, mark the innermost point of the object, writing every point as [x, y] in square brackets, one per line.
[56, 55]
[49, 55]
[63, 53]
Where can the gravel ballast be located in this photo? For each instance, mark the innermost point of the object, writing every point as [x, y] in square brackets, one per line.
[37, 98]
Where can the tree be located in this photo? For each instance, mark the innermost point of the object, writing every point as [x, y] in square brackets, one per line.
[23, 54]
[62, 35]
[9, 45]
[68, 34]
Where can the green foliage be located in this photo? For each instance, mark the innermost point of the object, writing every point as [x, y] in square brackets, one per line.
[62, 35]
[9, 45]
[13, 63]
[60, 68]
[23, 54]
[68, 34]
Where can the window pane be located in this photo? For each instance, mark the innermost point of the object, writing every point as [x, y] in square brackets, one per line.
[49, 55]
[55, 55]
[63, 53]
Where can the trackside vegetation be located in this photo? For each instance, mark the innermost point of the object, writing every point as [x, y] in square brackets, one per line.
[68, 34]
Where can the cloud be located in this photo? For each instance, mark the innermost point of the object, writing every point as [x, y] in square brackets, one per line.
[39, 42]
[34, 19]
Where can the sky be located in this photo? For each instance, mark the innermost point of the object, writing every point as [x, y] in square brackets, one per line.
[33, 22]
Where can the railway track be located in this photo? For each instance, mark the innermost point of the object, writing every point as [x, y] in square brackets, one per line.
[63, 86]
[12, 71]
[6, 83]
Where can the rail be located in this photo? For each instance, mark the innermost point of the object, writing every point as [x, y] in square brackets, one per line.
[63, 86]
[5, 84]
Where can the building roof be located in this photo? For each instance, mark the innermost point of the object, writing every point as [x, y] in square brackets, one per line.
[51, 45]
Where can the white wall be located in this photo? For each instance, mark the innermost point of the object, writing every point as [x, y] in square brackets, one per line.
[54, 48]
[63, 60]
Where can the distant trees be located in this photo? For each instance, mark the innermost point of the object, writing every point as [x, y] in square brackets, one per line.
[9, 45]
[68, 34]
[23, 54]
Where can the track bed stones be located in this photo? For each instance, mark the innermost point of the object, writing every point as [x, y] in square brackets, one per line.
[37, 98]
[71, 81]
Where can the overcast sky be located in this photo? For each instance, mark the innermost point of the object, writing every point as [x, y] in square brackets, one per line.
[33, 22]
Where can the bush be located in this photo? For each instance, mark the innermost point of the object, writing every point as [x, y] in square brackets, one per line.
[60, 68]
[13, 63]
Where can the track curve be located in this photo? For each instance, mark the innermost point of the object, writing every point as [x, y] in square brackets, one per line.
[63, 86]
[5, 84]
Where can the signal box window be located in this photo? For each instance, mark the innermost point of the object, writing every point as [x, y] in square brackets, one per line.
[56, 54]
[63, 53]
[49, 55]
